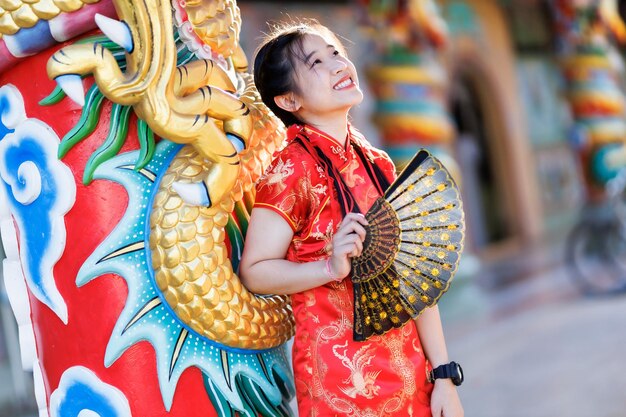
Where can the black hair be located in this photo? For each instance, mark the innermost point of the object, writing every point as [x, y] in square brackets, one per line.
[275, 62]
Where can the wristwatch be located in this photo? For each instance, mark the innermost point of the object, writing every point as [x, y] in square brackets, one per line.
[450, 370]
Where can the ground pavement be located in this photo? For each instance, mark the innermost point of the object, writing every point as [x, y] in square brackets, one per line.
[538, 349]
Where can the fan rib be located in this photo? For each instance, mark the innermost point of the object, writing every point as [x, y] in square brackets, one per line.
[421, 198]
[423, 213]
[429, 228]
[425, 275]
[409, 170]
[432, 261]
[415, 287]
[407, 186]
[383, 299]
[428, 245]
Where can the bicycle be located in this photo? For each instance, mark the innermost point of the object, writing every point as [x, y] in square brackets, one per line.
[596, 246]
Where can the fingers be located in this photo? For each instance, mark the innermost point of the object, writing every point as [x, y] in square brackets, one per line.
[350, 246]
[351, 228]
[358, 217]
[352, 223]
[348, 240]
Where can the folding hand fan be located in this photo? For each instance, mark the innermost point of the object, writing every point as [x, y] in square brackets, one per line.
[412, 248]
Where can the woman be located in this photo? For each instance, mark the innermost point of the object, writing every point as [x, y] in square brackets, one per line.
[306, 226]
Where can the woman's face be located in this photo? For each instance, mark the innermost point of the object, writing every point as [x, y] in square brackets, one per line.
[327, 81]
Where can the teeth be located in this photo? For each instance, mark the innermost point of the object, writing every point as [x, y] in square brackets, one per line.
[343, 84]
[193, 193]
[72, 85]
[117, 31]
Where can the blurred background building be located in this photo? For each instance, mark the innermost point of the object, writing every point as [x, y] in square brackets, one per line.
[508, 122]
[503, 91]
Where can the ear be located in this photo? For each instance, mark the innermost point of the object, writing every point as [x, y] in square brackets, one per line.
[288, 102]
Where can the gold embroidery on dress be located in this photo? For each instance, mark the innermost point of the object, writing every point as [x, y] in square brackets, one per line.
[301, 190]
[317, 192]
[309, 301]
[340, 152]
[370, 196]
[335, 334]
[275, 179]
[400, 363]
[359, 382]
[352, 179]
[321, 171]
[304, 191]
[326, 237]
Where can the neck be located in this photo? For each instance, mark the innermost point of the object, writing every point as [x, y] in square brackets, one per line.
[336, 128]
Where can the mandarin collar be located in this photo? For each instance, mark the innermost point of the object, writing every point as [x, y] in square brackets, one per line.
[339, 155]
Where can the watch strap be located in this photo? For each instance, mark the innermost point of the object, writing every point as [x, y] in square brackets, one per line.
[450, 370]
[445, 371]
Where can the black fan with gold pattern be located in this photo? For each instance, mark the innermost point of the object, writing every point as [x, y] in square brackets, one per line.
[412, 248]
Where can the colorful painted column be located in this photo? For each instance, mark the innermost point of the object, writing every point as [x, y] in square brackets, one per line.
[127, 164]
[594, 73]
[409, 82]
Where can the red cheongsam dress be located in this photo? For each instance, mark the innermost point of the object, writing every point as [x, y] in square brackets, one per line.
[334, 375]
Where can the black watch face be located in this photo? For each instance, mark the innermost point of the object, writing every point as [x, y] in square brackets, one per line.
[458, 378]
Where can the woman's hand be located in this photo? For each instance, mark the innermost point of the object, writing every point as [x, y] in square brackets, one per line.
[347, 243]
[445, 401]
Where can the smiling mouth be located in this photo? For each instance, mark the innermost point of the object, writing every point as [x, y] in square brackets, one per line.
[343, 84]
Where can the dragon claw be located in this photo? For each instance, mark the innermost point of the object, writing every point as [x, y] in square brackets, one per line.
[115, 30]
[195, 194]
[72, 86]
[237, 142]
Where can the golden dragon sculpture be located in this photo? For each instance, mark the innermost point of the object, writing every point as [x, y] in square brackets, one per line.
[216, 110]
